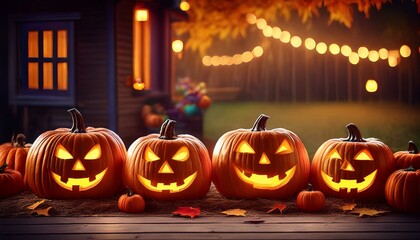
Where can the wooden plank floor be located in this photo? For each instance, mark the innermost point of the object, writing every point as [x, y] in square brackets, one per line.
[305, 226]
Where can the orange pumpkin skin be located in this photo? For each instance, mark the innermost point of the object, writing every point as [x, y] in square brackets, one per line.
[352, 167]
[190, 173]
[402, 190]
[408, 158]
[11, 182]
[276, 156]
[59, 160]
[131, 203]
[15, 153]
[310, 201]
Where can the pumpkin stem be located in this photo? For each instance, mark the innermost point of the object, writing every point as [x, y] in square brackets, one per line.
[309, 187]
[3, 167]
[167, 130]
[129, 192]
[19, 140]
[354, 134]
[77, 119]
[412, 148]
[410, 169]
[260, 123]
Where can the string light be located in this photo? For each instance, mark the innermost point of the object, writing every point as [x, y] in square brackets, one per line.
[236, 59]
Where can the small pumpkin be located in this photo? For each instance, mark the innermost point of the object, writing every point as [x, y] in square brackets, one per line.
[11, 182]
[259, 163]
[131, 202]
[15, 153]
[168, 167]
[352, 167]
[75, 162]
[204, 102]
[408, 158]
[402, 190]
[309, 200]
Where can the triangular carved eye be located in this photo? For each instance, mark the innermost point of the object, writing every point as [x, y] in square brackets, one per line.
[94, 153]
[149, 155]
[182, 154]
[244, 147]
[284, 148]
[62, 153]
[335, 155]
[364, 155]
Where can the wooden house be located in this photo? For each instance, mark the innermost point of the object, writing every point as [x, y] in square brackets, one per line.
[57, 55]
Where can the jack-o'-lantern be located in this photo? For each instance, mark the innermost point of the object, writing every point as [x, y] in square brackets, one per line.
[14, 153]
[352, 167]
[259, 163]
[408, 158]
[168, 167]
[75, 163]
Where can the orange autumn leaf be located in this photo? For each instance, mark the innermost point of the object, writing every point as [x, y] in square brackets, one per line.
[348, 207]
[35, 205]
[187, 212]
[235, 212]
[367, 212]
[278, 206]
[42, 211]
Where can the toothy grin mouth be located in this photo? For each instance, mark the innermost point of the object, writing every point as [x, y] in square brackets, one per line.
[172, 187]
[263, 181]
[80, 184]
[349, 184]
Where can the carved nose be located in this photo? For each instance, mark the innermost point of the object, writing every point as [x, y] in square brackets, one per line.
[347, 166]
[165, 168]
[264, 159]
[78, 166]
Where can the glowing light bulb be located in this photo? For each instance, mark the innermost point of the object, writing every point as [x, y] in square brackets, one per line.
[285, 36]
[177, 46]
[373, 56]
[257, 51]
[354, 58]
[261, 23]
[383, 53]
[296, 41]
[334, 49]
[345, 50]
[251, 18]
[184, 6]
[371, 85]
[310, 43]
[363, 52]
[405, 51]
[321, 48]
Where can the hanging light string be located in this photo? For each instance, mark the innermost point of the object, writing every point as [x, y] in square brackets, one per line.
[239, 58]
[393, 56]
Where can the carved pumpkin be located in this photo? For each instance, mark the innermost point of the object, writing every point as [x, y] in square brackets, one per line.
[259, 163]
[14, 153]
[309, 200]
[408, 158]
[75, 163]
[168, 167]
[402, 190]
[11, 182]
[352, 167]
[131, 203]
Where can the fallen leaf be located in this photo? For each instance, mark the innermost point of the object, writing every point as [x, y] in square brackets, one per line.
[42, 211]
[35, 205]
[187, 212]
[367, 211]
[235, 212]
[348, 207]
[278, 206]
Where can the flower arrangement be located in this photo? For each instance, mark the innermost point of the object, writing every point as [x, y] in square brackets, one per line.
[191, 97]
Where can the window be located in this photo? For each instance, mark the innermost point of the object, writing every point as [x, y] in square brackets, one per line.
[44, 74]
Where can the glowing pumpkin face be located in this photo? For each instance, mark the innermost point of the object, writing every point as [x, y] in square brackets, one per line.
[168, 167]
[76, 163]
[352, 167]
[260, 163]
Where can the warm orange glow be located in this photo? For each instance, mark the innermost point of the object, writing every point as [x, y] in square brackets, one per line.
[184, 6]
[393, 58]
[247, 56]
[83, 184]
[364, 155]
[182, 154]
[371, 86]
[321, 48]
[296, 41]
[138, 86]
[206, 61]
[257, 51]
[165, 168]
[142, 15]
[177, 46]
[383, 53]
[334, 49]
[47, 75]
[363, 52]
[268, 31]
[310, 43]
[251, 18]
[263, 181]
[284, 148]
[349, 184]
[62, 76]
[354, 58]
[62, 153]
[94, 153]
[373, 56]
[285, 36]
[48, 44]
[32, 44]
[78, 166]
[172, 187]
[62, 43]
[276, 32]
[33, 77]
[264, 159]
[405, 51]
[345, 50]
[237, 59]
[244, 147]
[261, 23]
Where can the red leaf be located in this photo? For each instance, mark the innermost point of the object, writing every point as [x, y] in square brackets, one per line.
[187, 212]
[278, 206]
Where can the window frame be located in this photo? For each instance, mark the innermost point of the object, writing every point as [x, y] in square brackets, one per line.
[18, 61]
